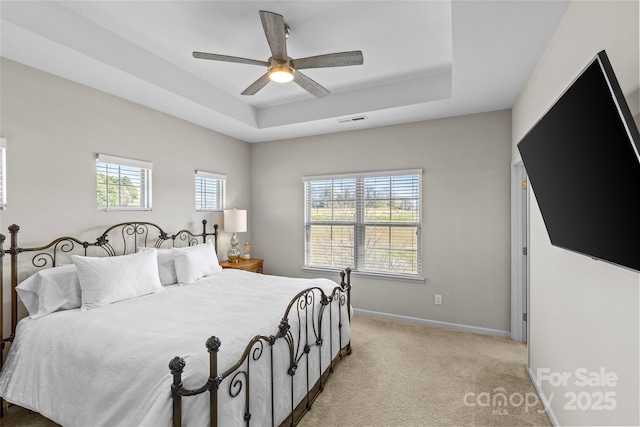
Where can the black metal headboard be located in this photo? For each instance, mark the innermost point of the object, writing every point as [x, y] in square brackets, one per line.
[120, 239]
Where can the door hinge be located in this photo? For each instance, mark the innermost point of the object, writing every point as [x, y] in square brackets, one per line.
[524, 185]
[524, 251]
[524, 316]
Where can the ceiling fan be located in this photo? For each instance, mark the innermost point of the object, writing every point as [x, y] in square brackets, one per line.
[282, 68]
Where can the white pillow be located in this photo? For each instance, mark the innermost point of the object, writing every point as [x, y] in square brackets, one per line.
[195, 262]
[111, 279]
[166, 266]
[51, 290]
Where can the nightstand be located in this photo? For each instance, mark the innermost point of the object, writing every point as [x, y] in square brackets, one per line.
[253, 264]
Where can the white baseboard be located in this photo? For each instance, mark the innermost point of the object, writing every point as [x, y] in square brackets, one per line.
[436, 323]
[543, 398]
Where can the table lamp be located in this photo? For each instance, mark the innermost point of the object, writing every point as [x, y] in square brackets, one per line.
[235, 221]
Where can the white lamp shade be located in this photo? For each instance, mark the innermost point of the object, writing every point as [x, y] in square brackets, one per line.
[235, 221]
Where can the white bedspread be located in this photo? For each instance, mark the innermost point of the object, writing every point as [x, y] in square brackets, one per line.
[109, 366]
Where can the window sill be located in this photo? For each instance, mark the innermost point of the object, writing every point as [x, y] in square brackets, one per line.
[115, 209]
[368, 275]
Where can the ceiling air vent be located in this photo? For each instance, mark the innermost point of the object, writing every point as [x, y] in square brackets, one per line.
[352, 119]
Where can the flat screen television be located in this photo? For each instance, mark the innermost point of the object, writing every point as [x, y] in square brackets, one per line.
[583, 165]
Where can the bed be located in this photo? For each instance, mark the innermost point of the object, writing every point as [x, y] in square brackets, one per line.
[140, 328]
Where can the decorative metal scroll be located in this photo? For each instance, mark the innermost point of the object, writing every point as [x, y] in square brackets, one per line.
[120, 239]
[307, 309]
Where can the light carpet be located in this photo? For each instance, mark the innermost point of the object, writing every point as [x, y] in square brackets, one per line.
[409, 375]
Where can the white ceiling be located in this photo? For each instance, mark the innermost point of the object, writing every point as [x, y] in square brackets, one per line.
[422, 59]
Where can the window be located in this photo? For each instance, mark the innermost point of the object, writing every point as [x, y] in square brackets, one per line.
[210, 191]
[369, 221]
[123, 184]
[3, 173]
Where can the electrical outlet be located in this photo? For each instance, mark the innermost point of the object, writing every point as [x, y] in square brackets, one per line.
[438, 300]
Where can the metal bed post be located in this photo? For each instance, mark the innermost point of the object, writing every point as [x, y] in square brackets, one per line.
[14, 251]
[213, 346]
[176, 366]
[214, 234]
[347, 286]
[2, 239]
[348, 270]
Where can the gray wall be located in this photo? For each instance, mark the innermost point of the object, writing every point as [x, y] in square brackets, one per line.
[466, 211]
[583, 313]
[55, 127]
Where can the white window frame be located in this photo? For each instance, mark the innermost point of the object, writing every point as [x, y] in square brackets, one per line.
[116, 163]
[3, 174]
[359, 224]
[205, 180]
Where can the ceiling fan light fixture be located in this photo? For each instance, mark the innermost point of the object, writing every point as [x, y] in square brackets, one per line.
[281, 74]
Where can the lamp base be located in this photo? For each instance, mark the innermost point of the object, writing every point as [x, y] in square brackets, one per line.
[234, 253]
[233, 257]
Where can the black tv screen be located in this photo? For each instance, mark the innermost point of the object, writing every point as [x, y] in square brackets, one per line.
[583, 165]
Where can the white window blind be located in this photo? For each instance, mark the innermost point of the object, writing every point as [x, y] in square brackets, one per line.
[210, 191]
[368, 221]
[3, 173]
[123, 184]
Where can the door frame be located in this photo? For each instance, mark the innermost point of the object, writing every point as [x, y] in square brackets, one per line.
[519, 261]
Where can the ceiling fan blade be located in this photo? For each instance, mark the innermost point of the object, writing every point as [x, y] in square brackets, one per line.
[226, 58]
[257, 85]
[275, 32]
[339, 59]
[310, 85]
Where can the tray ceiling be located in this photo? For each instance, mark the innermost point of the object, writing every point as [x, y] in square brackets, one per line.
[422, 59]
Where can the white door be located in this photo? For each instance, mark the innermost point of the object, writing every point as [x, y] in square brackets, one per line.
[519, 252]
[525, 252]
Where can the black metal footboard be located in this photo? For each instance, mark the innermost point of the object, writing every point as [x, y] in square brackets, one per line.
[308, 310]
